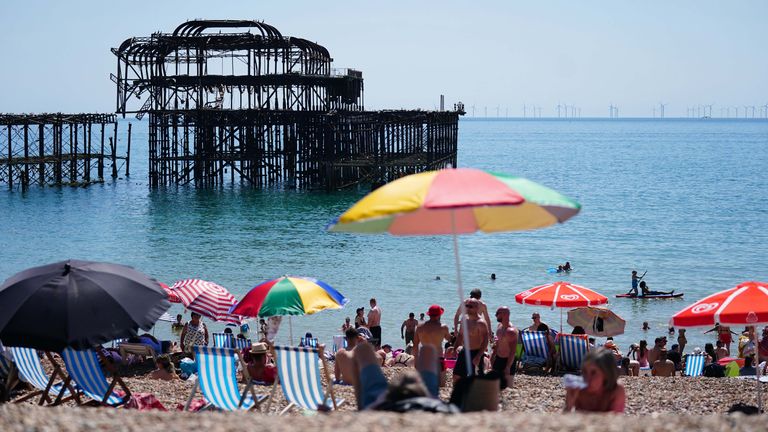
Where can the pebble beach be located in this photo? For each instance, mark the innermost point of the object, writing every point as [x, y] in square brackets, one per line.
[679, 402]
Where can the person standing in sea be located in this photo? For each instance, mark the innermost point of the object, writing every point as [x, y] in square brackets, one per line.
[409, 326]
[374, 323]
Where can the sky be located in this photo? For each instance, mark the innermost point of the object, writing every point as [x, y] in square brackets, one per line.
[55, 55]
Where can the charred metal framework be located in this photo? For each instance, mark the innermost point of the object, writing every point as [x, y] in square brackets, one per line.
[58, 149]
[236, 101]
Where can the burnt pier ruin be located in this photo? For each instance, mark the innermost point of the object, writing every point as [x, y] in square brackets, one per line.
[238, 102]
[59, 149]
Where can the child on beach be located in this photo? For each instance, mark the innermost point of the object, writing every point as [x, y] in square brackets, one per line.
[602, 391]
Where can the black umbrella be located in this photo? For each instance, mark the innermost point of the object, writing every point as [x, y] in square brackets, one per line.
[77, 304]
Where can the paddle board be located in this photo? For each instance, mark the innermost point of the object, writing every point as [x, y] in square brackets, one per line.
[554, 270]
[657, 296]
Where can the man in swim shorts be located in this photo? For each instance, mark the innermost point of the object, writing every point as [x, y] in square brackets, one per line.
[477, 329]
[503, 357]
[431, 333]
[409, 326]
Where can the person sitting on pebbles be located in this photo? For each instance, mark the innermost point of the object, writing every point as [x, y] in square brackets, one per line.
[663, 366]
[165, 370]
[602, 391]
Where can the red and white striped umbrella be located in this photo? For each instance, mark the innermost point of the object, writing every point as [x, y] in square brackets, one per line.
[743, 305]
[172, 296]
[561, 294]
[206, 298]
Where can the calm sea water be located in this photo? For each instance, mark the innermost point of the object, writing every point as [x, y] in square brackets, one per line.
[683, 199]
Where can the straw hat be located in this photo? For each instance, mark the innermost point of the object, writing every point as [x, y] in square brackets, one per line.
[259, 348]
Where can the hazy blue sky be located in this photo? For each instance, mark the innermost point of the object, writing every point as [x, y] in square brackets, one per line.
[54, 55]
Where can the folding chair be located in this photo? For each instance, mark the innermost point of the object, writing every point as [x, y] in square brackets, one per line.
[222, 340]
[28, 366]
[241, 343]
[298, 371]
[573, 348]
[138, 349]
[84, 369]
[308, 342]
[535, 349]
[217, 380]
[694, 365]
[339, 342]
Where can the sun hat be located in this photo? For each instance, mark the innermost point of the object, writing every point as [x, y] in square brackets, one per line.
[435, 310]
[259, 348]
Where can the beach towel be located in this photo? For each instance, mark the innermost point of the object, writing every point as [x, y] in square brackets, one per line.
[144, 402]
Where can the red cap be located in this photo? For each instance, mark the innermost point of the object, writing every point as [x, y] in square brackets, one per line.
[435, 310]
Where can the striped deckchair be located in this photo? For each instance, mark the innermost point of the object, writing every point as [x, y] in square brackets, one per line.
[217, 380]
[84, 369]
[339, 342]
[241, 343]
[694, 365]
[535, 349]
[573, 348]
[308, 342]
[28, 366]
[299, 375]
[222, 340]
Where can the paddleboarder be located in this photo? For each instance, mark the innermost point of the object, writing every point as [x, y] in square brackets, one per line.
[635, 281]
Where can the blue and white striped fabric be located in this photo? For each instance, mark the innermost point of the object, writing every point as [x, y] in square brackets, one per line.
[694, 364]
[308, 342]
[299, 375]
[241, 343]
[31, 371]
[222, 340]
[217, 378]
[339, 341]
[536, 349]
[573, 348]
[85, 370]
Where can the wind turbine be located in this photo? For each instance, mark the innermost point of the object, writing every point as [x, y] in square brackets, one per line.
[558, 110]
[473, 110]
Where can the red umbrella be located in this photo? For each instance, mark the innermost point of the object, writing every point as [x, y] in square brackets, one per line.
[207, 299]
[172, 296]
[744, 305]
[561, 294]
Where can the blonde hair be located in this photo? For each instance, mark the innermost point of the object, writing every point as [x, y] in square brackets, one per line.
[165, 363]
[604, 360]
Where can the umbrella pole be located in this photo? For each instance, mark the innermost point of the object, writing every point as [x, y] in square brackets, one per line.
[290, 330]
[465, 333]
[757, 374]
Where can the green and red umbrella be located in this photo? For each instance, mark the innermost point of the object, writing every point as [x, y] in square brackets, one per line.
[289, 295]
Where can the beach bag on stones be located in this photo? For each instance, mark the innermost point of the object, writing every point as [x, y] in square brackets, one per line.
[477, 393]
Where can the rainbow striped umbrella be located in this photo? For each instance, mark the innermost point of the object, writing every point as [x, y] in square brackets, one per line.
[456, 201]
[289, 295]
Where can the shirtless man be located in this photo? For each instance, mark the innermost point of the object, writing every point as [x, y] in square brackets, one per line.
[477, 329]
[431, 333]
[662, 366]
[503, 357]
[344, 365]
[536, 322]
[374, 323]
[483, 312]
[409, 326]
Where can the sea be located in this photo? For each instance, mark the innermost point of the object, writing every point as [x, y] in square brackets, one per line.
[685, 200]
